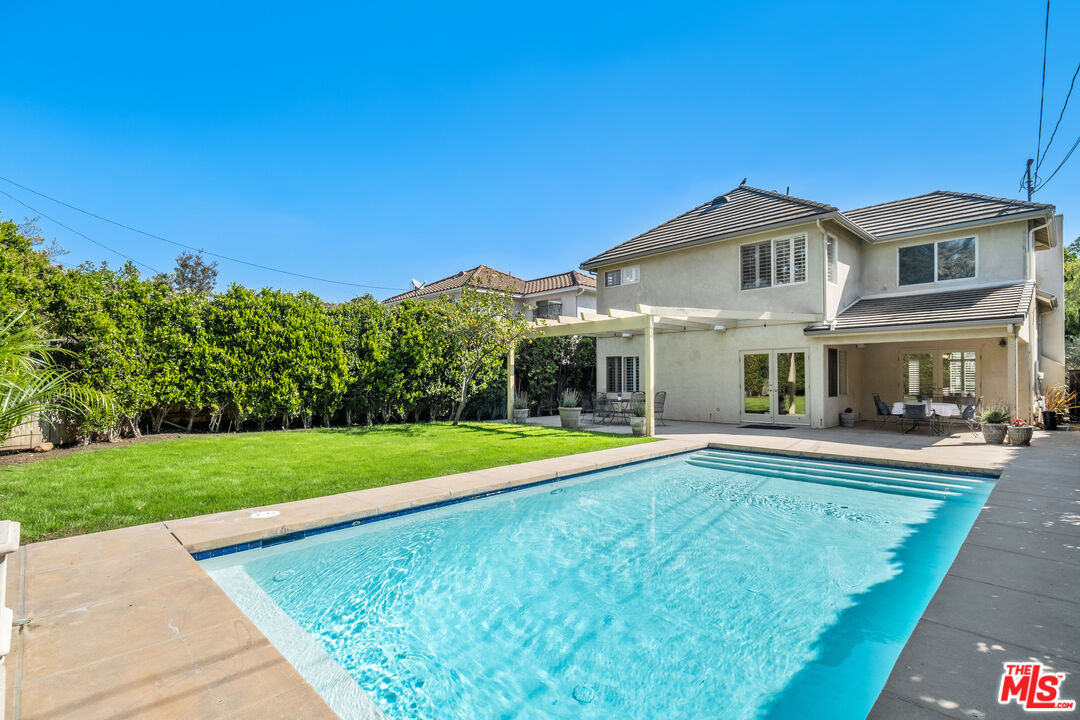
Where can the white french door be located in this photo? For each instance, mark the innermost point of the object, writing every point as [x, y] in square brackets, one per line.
[774, 386]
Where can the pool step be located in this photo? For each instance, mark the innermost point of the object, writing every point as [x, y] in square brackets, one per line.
[895, 473]
[811, 468]
[792, 469]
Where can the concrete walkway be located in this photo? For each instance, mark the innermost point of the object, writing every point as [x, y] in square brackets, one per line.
[126, 623]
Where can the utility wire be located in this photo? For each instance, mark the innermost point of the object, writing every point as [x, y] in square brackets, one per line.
[86, 237]
[190, 247]
[1064, 160]
[1042, 91]
[1060, 115]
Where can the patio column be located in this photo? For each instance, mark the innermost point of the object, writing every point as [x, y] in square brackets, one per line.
[650, 390]
[1014, 376]
[510, 384]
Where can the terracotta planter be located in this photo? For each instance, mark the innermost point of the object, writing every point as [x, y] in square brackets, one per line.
[994, 433]
[570, 417]
[1020, 435]
[637, 426]
[847, 419]
[521, 415]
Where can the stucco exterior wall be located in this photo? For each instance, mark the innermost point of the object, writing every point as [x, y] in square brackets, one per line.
[708, 276]
[1001, 256]
[1049, 275]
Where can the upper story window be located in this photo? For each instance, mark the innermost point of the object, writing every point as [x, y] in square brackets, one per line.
[781, 261]
[622, 276]
[937, 261]
[548, 309]
[830, 258]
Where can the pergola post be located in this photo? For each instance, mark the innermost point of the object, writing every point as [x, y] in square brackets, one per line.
[650, 393]
[1013, 375]
[510, 384]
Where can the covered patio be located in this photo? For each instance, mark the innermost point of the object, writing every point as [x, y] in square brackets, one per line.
[643, 326]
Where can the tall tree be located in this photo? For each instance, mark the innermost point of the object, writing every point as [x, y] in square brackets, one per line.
[193, 274]
[482, 329]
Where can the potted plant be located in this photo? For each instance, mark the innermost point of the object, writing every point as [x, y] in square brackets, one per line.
[1020, 433]
[1057, 402]
[521, 408]
[994, 424]
[570, 409]
[637, 419]
[847, 418]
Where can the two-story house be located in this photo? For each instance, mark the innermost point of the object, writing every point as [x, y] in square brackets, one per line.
[567, 293]
[796, 310]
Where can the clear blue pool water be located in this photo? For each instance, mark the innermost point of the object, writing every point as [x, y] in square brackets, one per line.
[711, 585]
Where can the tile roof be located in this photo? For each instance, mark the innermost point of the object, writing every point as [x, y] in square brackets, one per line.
[938, 209]
[1002, 303]
[484, 276]
[559, 281]
[742, 210]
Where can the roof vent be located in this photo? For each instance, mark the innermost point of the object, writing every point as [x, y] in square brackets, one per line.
[717, 201]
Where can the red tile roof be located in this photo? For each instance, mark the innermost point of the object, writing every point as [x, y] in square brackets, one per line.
[484, 276]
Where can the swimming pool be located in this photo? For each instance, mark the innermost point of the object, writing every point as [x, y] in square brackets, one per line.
[712, 584]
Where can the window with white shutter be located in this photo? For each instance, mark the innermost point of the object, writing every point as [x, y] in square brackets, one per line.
[756, 265]
[798, 259]
[632, 376]
[773, 262]
[614, 374]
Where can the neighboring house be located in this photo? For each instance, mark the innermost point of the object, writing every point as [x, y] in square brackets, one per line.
[566, 294]
[808, 310]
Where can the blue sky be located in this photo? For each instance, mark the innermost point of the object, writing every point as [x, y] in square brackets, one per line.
[373, 144]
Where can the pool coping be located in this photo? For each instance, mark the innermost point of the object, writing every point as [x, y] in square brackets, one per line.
[101, 611]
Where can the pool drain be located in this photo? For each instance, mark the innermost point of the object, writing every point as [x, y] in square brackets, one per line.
[585, 694]
[556, 491]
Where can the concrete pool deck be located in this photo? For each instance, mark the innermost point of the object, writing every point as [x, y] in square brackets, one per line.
[126, 624]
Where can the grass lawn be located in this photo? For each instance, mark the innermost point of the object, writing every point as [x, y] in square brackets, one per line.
[108, 488]
[761, 404]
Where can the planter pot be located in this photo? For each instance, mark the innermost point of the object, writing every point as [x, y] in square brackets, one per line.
[570, 417]
[637, 426]
[1020, 435]
[847, 419]
[521, 415]
[994, 433]
[1049, 420]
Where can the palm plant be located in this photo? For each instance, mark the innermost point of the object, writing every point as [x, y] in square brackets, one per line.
[31, 384]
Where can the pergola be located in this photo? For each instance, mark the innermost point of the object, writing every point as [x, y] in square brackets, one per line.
[648, 321]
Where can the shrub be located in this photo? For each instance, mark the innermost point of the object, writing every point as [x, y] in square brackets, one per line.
[571, 399]
[997, 414]
[521, 401]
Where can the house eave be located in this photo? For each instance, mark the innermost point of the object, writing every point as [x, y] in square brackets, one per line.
[591, 265]
[902, 327]
[961, 226]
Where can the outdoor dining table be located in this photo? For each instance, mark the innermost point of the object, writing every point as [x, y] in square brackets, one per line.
[620, 407]
[941, 409]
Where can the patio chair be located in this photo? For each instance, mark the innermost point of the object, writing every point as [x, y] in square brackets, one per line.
[884, 413]
[968, 416]
[602, 411]
[914, 414]
[658, 406]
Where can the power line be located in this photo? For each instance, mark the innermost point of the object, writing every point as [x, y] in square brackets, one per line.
[1042, 91]
[191, 247]
[1064, 160]
[1060, 115]
[71, 229]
